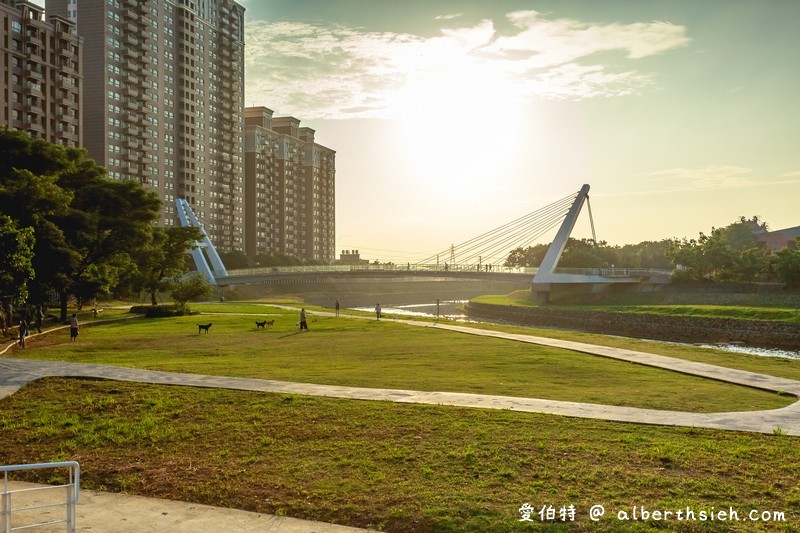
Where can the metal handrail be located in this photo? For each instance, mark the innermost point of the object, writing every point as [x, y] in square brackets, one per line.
[73, 493]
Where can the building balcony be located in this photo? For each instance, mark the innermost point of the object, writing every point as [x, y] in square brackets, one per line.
[34, 40]
[34, 71]
[35, 109]
[34, 126]
[66, 51]
[65, 33]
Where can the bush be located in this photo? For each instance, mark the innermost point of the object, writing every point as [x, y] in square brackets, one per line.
[192, 287]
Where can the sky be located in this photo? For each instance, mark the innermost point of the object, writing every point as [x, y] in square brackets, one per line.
[451, 118]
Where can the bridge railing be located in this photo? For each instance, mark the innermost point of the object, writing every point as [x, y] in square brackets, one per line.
[387, 267]
[614, 272]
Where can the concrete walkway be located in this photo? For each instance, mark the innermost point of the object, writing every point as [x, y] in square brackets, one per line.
[107, 512]
[113, 512]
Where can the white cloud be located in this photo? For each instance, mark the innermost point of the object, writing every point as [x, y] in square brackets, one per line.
[706, 178]
[450, 16]
[319, 71]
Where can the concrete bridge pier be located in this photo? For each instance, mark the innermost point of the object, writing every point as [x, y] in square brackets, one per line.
[541, 292]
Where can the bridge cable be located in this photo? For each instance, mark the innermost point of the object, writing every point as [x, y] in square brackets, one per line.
[495, 244]
[591, 220]
[509, 234]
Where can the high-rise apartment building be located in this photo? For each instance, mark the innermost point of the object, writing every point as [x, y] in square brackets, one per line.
[41, 89]
[164, 82]
[290, 188]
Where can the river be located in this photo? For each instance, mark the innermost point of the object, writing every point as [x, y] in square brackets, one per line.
[453, 310]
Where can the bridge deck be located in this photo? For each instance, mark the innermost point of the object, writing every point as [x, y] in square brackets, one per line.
[333, 273]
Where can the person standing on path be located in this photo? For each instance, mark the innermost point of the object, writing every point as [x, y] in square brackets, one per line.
[303, 323]
[336, 306]
[73, 327]
[23, 332]
[39, 318]
[378, 311]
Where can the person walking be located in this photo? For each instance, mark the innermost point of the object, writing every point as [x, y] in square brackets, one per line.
[303, 323]
[73, 327]
[336, 306]
[378, 311]
[23, 331]
[39, 318]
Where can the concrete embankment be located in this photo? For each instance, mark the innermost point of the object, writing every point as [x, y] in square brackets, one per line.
[368, 292]
[647, 326]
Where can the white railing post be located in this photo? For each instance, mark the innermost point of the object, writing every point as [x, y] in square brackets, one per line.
[6, 509]
[73, 488]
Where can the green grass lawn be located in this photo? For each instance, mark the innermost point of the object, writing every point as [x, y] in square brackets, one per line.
[386, 354]
[392, 467]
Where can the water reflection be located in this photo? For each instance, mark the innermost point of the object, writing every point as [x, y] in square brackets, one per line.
[754, 350]
[450, 310]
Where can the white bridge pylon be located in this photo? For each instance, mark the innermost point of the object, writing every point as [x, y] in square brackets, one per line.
[546, 276]
[201, 259]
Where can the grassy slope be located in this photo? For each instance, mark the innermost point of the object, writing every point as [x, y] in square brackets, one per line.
[394, 467]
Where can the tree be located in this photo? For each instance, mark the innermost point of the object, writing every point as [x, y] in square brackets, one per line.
[271, 260]
[750, 264]
[16, 254]
[785, 264]
[717, 255]
[530, 256]
[743, 234]
[234, 259]
[164, 258]
[84, 223]
[647, 254]
[192, 287]
[37, 202]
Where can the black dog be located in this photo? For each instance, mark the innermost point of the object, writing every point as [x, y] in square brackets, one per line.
[261, 324]
[201, 327]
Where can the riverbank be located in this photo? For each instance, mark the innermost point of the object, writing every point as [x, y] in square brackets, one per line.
[648, 326]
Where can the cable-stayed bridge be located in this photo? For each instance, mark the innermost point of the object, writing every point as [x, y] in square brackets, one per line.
[482, 257]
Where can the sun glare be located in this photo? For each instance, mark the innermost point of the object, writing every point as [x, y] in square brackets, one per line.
[461, 129]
